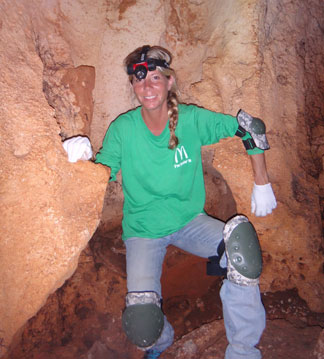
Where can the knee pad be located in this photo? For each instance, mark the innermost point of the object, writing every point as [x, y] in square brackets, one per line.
[143, 319]
[243, 252]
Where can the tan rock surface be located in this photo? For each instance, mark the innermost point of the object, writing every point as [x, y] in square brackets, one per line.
[265, 63]
[265, 57]
[49, 207]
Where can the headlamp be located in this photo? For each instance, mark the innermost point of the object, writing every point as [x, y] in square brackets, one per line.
[139, 69]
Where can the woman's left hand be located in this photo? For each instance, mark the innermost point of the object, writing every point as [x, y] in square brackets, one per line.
[263, 200]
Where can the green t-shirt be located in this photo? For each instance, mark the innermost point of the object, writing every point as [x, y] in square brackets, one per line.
[163, 189]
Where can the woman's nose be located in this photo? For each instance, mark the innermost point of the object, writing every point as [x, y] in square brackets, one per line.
[146, 83]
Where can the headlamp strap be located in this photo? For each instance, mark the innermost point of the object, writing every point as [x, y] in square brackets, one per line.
[144, 52]
[148, 63]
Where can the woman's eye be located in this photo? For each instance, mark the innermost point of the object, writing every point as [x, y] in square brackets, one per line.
[136, 80]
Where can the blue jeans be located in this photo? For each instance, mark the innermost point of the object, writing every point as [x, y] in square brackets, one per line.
[244, 314]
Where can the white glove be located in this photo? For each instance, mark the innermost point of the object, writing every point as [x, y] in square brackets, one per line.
[263, 200]
[78, 148]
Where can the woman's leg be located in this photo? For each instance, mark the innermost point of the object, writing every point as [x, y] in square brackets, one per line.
[244, 320]
[201, 236]
[144, 259]
[244, 315]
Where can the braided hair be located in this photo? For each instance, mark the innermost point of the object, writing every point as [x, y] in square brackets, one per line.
[160, 53]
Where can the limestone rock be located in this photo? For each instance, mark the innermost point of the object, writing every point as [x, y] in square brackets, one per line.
[262, 56]
[49, 207]
[69, 92]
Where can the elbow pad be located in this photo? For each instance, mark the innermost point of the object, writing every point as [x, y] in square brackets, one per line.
[254, 127]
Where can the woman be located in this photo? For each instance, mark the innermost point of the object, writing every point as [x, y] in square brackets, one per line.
[158, 148]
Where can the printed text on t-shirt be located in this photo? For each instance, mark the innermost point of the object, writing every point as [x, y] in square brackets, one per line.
[181, 157]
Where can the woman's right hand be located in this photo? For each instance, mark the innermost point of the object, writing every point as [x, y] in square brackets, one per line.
[78, 148]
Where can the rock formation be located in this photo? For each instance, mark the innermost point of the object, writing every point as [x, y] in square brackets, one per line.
[49, 207]
[61, 75]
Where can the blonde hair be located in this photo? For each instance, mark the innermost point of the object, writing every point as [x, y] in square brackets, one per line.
[160, 53]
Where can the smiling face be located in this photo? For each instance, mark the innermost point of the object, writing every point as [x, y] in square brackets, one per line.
[152, 92]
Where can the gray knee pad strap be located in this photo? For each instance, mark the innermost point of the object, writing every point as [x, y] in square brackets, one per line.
[243, 252]
[143, 319]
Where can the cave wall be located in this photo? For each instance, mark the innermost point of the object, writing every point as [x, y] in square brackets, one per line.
[61, 75]
[49, 207]
[292, 86]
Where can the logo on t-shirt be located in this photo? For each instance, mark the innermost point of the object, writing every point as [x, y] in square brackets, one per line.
[181, 157]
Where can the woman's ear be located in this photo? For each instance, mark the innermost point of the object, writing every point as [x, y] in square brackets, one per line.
[170, 82]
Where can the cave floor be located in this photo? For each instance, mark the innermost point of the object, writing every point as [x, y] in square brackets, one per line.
[82, 320]
[291, 333]
[280, 340]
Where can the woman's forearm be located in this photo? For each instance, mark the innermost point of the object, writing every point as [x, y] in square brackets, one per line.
[259, 169]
